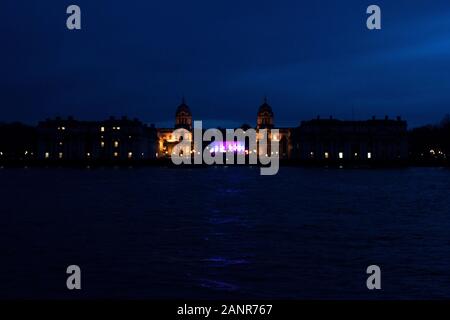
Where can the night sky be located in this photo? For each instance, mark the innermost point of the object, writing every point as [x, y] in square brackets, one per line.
[139, 57]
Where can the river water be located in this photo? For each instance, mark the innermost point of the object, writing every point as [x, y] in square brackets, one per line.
[225, 232]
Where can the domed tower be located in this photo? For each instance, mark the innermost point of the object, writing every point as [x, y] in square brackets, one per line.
[183, 116]
[265, 116]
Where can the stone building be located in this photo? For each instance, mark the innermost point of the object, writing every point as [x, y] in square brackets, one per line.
[266, 120]
[318, 140]
[336, 140]
[167, 138]
[112, 139]
[183, 119]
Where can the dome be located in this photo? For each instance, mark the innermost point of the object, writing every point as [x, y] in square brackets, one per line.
[265, 108]
[183, 108]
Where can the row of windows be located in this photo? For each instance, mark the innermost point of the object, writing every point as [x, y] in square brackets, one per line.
[102, 144]
[102, 129]
[341, 155]
[88, 155]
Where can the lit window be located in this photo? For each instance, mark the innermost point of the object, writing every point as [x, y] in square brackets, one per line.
[341, 155]
[47, 155]
[114, 128]
[1, 153]
[102, 144]
[327, 155]
[369, 155]
[311, 154]
[116, 144]
[356, 154]
[118, 128]
[116, 154]
[130, 155]
[26, 152]
[60, 143]
[102, 129]
[63, 128]
[88, 155]
[60, 155]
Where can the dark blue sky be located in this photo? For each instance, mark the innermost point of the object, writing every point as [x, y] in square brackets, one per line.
[310, 58]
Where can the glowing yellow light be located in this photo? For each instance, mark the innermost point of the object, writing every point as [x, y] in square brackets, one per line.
[60, 143]
[63, 128]
[88, 154]
[130, 155]
[116, 154]
[341, 155]
[369, 155]
[118, 128]
[327, 155]
[47, 155]
[102, 129]
[102, 144]
[60, 155]
[116, 144]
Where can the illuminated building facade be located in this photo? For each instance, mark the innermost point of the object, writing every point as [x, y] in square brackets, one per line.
[168, 138]
[318, 140]
[265, 120]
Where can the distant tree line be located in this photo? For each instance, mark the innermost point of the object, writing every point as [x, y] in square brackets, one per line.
[431, 143]
[17, 141]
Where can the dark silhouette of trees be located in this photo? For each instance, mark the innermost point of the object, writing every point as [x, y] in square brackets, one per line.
[431, 142]
[17, 141]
